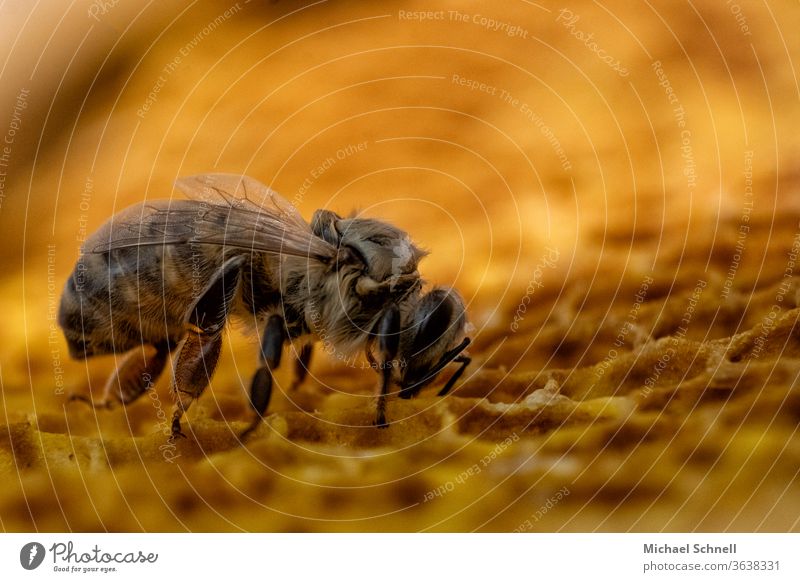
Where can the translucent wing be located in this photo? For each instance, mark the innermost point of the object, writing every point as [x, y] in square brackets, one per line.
[241, 192]
[229, 210]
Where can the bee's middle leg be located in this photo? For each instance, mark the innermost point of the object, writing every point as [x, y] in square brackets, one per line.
[270, 358]
[199, 355]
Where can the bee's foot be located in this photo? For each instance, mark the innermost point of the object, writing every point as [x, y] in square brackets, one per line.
[250, 429]
[74, 397]
[380, 423]
[176, 429]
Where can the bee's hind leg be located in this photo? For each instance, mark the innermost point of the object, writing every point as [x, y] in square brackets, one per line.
[139, 370]
[270, 358]
[193, 370]
[199, 354]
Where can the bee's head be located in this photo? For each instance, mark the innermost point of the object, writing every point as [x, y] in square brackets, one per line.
[385, 253]
[433, 335]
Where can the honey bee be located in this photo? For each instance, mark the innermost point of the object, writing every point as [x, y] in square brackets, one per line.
[164, 277]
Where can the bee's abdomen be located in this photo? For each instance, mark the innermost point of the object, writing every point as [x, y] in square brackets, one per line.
[119, 300]
[80, 315]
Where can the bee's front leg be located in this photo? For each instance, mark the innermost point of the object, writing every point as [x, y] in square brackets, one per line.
[261, 388]
[388, 344]
[200, 352]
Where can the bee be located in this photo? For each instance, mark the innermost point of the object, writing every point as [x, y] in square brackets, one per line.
[160, 280]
